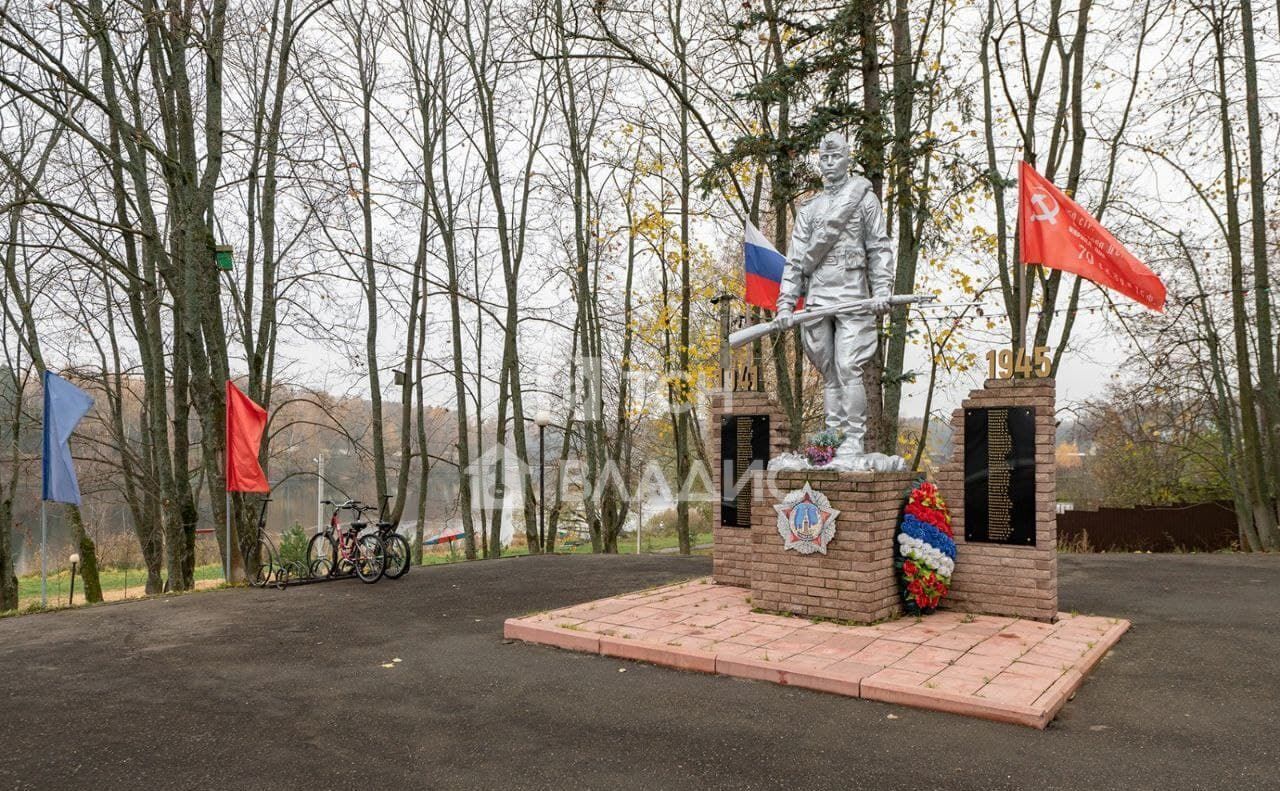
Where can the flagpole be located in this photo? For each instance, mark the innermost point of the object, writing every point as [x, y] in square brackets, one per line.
[64, 406]
[241, 456]
[1020, 273]
[226, 468]
[44, 550]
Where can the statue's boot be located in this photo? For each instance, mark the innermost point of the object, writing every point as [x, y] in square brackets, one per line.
[853, 415]
[834, 403]
[851, 453]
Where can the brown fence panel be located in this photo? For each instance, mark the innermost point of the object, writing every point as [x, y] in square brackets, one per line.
[1203, 527]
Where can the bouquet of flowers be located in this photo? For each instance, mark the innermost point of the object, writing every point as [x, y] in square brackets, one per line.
[926, 550]
[822, 447]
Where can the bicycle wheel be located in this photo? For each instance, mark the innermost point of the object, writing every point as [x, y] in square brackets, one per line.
[397, 564]
[370, 557]
[263, 562]
[321, 555]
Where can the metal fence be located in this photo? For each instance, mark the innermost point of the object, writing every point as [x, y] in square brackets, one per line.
[1202, 527]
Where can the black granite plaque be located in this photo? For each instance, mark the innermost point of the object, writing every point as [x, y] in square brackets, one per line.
[1000, 475]
[744, 447]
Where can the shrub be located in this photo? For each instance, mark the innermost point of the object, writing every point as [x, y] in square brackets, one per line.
[663, 523]
[293, 544]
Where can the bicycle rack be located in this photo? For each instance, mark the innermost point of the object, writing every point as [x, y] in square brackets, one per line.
[294, 572]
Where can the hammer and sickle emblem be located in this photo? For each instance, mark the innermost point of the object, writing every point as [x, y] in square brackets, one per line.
[1048, 208]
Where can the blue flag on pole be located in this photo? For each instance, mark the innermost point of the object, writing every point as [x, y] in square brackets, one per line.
[64, 406]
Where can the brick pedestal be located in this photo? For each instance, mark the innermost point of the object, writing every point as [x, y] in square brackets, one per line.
[1000, 579]
[731, 564]
[855, 580]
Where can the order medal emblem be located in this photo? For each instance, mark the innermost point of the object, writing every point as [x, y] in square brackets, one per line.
[806, 521]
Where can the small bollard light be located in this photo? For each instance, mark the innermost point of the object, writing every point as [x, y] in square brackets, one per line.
[75, 559]
[541, 420]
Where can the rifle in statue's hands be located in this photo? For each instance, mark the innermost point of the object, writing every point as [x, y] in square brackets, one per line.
[799, 319]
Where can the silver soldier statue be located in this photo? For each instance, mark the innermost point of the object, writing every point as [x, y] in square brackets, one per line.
[839, 252]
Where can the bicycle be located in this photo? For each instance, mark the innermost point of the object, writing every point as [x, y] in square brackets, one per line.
[397, 546]
[273, 567]
[344, 550]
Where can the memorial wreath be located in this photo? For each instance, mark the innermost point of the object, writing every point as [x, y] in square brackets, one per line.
[926, 551]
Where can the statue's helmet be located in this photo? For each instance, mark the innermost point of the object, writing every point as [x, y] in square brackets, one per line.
[833, 143]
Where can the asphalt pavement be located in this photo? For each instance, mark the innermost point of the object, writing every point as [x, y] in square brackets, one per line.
[287, 689]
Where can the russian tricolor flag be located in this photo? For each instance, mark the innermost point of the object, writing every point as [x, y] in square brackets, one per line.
[764, 265]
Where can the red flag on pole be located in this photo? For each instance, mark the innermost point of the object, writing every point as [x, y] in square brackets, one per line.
[1055, 232]
[245, 423]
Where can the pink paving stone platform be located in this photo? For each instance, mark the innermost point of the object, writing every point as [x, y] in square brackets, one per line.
[996, 668]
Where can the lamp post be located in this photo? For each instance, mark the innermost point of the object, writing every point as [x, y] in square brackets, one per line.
[44, 550]
[542, 419]
[319, 460]
[723, 300]
[75, 559]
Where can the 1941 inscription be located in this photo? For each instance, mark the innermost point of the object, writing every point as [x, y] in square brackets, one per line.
[1000, 475]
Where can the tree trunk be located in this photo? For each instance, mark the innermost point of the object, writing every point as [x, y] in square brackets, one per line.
[93, 589]
[1268, 385]
[684, 428]
[183, 514]
[903, 100]
[88, 556]
[1252, 466]
[880, 438]
[8, 579]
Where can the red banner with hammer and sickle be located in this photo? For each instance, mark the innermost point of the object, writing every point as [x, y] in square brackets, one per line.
[1055, 232]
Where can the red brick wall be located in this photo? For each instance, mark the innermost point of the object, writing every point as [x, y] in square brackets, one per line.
[855, 580]
[731, 561]
[1004, 579]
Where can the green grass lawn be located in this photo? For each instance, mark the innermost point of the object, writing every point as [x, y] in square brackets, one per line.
[111, 579]
[626, 546]
[134, 580]
[627, 543]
